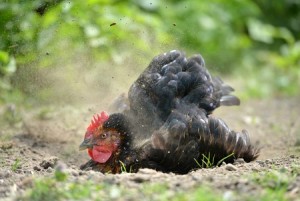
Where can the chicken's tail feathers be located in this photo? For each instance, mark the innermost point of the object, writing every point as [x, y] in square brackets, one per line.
[247, 151]
[178, 148]
[226, 141]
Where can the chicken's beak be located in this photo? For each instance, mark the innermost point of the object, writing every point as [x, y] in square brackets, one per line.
[87, 143]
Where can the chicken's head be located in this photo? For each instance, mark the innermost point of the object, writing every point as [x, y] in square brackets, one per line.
[104, 136]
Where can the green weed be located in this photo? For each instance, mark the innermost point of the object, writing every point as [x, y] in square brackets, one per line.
[50, 189]
[209, 161]
[45, 189]
[124, 169]
[16, 165]
[274, 179]
[273, 185]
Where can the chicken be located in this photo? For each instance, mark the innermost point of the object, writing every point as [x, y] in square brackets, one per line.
[168, 125]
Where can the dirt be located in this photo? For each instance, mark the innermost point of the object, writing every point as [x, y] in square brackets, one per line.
[46, 136]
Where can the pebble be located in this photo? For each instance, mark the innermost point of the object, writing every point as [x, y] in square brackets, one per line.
[268, 161]
[140, 178]
[147, 171]
[27, 172]
[230, 167]
[255, 169]
[196, 177]
[37, 168]
[82, 173]
[49, 162]
[261, 163]
[239, 161]
[74, 173]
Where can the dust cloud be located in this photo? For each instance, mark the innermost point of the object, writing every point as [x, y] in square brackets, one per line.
[78, 81]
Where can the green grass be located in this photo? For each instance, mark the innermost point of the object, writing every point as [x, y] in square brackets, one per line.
[16, 165]
[209, 161]
[267, 185]
[51, 189]
[124, 169]
[267, 195]
[274, 183]
[274, 179]
[55, 188]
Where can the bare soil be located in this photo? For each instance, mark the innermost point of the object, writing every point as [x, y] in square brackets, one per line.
[43, 137]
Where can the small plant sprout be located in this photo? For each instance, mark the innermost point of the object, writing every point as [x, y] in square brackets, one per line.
[16, 165]
[124, 169]
[209, 161]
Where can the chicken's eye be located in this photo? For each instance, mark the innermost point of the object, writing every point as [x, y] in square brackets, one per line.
[103, 135]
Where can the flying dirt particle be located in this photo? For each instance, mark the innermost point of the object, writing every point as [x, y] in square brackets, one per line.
[174, 24]
[47, 53]
[112, 24]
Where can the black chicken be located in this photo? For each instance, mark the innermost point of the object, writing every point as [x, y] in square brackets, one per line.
[167, 125]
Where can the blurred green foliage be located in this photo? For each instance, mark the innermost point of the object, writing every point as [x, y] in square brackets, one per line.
[255, 41]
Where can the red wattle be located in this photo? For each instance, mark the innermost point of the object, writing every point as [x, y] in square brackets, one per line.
[101, 154]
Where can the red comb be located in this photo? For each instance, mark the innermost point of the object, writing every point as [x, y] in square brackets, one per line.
[97, 121]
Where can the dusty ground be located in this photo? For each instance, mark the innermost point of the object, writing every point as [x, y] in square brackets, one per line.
[32, 144]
